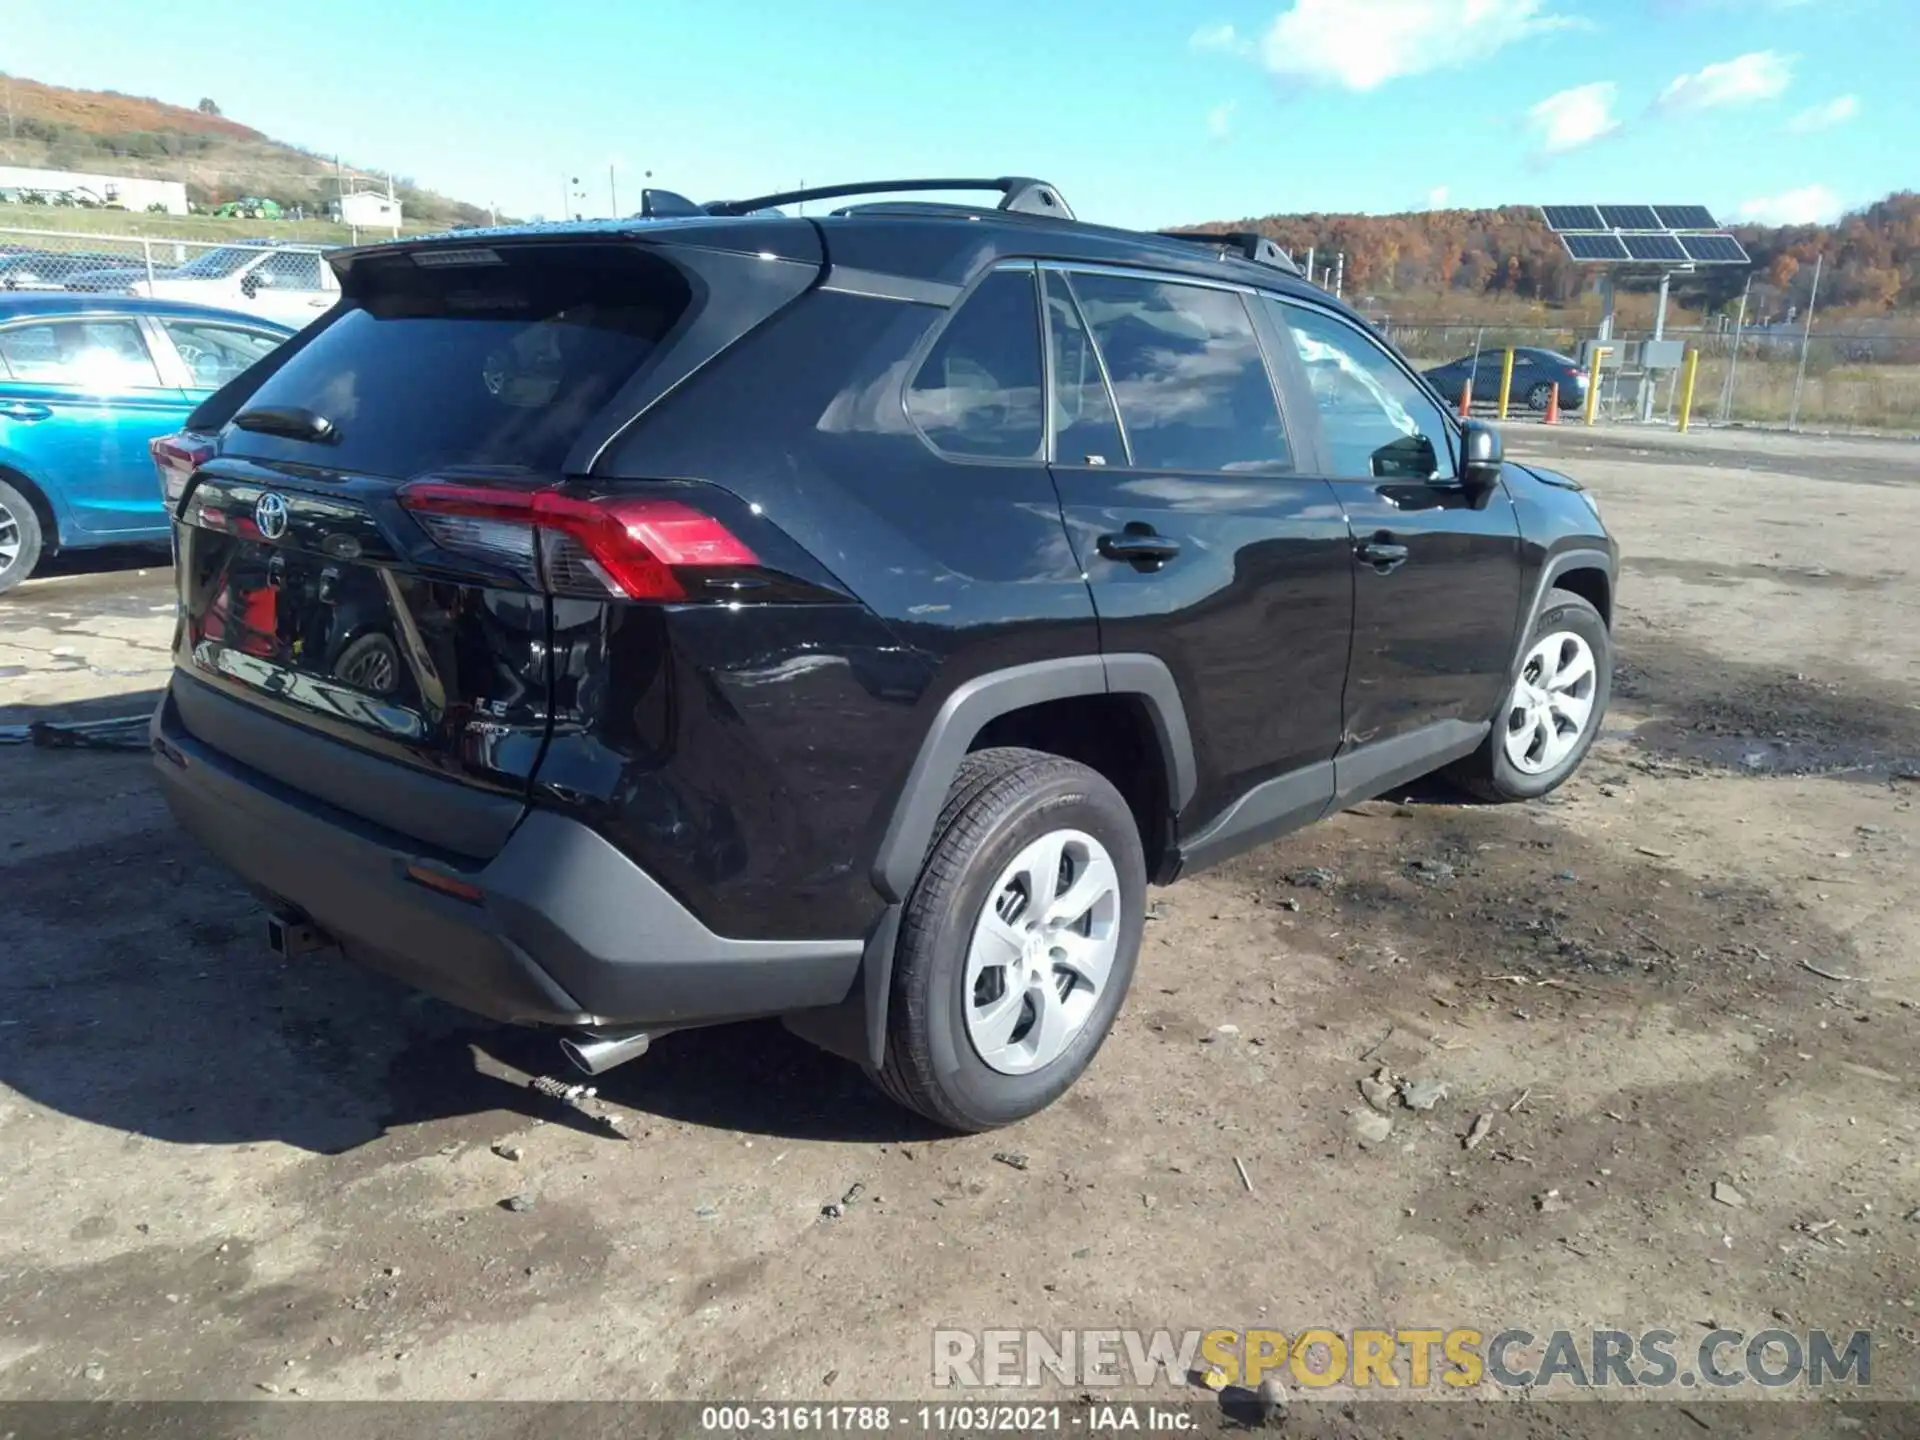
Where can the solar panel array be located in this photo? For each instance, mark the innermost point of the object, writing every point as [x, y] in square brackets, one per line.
[1643, 235]
[1653, 247]
[1594, 247]
[1572, 217]
[1714, 249]
[1686, 217]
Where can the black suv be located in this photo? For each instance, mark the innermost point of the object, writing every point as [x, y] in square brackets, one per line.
[625, 626]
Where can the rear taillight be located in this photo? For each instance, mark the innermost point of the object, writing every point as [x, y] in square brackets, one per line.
[176, 457]
[625, 547]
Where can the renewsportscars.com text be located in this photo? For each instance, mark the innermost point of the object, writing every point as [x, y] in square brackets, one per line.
[1403, 1358]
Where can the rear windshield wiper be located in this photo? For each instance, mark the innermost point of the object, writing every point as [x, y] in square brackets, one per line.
[288, 422]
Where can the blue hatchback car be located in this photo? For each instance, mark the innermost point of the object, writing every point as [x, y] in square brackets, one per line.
[85, 382]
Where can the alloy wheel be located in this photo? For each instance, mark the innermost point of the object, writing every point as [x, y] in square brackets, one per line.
[1041, 951]
[1552, 702]
[10, 541]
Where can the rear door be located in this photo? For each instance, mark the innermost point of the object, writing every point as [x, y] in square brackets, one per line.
[82, 397]
[1204, 541]
[1437, 586]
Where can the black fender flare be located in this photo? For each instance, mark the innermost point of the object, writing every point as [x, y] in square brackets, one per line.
[964, 713]
[857, 1029]
[1556, 565]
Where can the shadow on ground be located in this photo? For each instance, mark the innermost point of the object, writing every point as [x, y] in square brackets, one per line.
[137, 992]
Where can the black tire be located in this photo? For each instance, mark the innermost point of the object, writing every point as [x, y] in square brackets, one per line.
[1489, 772]
[19, 522]
[1000, 802]
[1538, 396]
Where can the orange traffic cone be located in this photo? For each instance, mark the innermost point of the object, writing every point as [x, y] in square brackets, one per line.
[1466, 399]
[1553, 406]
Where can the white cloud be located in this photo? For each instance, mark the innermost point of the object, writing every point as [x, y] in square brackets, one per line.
[1824, 117]
[1220, 39]
[1573, 118]
[1759, 75]
[1437, 197]
[1809, 205]
[1220, 121]
[1362, 44]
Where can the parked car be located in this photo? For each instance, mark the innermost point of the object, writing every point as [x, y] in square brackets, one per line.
[50, 269]
[85, 383]
[287, 284]
[1535, 373]
[840, 618]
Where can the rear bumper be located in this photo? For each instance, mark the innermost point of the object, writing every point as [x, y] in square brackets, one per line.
[568, 931]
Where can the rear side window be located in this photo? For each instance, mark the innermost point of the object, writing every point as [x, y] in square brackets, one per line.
[93, 355]
[1084, 430]
[1187, 374]
[494, 364]
[978, 391]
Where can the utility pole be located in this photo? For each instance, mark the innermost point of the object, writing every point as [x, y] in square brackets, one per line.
[1733, 360]
[1800, 377]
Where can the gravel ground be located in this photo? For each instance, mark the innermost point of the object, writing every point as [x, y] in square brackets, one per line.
[227, 1177]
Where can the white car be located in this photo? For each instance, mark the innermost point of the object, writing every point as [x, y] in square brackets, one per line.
[292, 284]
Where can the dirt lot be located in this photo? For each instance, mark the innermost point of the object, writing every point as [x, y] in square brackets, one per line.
[226, 1177]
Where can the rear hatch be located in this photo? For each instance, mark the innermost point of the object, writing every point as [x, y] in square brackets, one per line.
[372, 555]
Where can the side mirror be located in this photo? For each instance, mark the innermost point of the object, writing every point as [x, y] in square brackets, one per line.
[1481, 455]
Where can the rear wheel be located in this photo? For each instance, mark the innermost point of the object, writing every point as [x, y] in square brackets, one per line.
[1554, 706]
[1018, 942]
[1538, 395]
[20, 539]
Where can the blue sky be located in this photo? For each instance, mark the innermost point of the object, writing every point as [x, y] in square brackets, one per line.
[1182, 110]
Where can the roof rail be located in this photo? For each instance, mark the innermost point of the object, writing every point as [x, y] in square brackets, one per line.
[1020, 193]
[1247, 244]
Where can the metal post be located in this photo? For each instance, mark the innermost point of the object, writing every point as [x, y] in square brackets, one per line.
[1606, 310]
[1310, 250]
[1659, 333]
[1339, 273]
[1506, 380]
[613, 194]
[1593, 381]
[1806, 334]
[1688, 373]
[1733, 360]
[146, 255]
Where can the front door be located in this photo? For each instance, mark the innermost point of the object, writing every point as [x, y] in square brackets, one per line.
[1203, 543]
[1437, 579]
[79, 400]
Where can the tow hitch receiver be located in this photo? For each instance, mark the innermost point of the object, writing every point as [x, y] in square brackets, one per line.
[290, 937]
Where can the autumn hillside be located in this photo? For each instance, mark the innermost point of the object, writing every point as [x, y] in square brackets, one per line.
[1451, 257]
[218, 158]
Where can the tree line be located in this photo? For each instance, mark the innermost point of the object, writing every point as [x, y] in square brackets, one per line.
[1870, 258]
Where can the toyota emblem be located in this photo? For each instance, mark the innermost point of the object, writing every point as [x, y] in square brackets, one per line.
[270, 514]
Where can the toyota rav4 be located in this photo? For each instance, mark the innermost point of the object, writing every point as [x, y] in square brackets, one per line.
[624, 626]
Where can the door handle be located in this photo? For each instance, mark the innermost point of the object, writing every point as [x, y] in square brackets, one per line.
[1383, 554]
[1139, 547]
[23, 410]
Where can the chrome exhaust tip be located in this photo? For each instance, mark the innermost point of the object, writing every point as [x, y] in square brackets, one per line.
[595, 1052]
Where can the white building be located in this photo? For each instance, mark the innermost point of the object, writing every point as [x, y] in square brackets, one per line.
[126, 191]
[368, 210]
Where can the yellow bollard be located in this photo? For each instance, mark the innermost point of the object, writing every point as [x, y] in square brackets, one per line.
[1506, 380]
[1687, 373]
[1593, 382]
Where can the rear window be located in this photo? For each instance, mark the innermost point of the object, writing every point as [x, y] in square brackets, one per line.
[496, 364]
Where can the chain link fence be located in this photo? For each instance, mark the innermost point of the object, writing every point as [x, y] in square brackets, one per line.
[105, 264]
[1856, 377]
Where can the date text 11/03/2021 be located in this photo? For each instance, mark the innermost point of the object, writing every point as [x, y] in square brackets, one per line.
[964, 1418]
